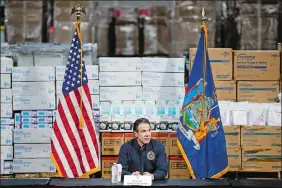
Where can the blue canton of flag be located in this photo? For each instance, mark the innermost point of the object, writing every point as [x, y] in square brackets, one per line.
[72, 77]
[200, 135]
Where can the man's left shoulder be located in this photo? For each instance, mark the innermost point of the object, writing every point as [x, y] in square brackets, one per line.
[156, 143]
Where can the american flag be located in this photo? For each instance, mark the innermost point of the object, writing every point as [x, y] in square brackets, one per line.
[75, 149]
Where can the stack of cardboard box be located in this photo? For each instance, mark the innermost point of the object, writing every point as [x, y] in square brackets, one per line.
[257, 74]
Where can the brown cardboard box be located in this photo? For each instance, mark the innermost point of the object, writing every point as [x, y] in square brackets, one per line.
[225, 90]
[261, 136]
[234, 158]
[178, 168]
[261, 159]
[232, 135]
[257, 91]
[107, 163]
[173, 148]
[32, 175]
[48, 174]
[127, 39]
[128, 136]
[256, 65]
[111, 143]
[221, 62]
[163, 138]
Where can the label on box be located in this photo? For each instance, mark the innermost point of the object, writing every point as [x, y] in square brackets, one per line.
[95, 101]
[120, 78]
[163, 93]
[37, 74]
[91, 70]
[116, 108]
[7, 152]
[7, 121]
[93, 87]
[160, 64]
[33, 165]
[44, 113]
[220, 60]
[44, 119]
[120, 93]
[22, 151]
[6, 81]
[34, 102]
[256, 65]
[33, 88]
[29, 120]
[6, 137]
[138, 108]
[127, 109]
[6, 110]
[162, 79]
[105, 108]
[33, 136]
[6, 95]
[131, 64]
[6, 65]
[150, 108]
[28, 113]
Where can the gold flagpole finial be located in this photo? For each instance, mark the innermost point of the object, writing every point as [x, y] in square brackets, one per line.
[203, 14]
[78, 9]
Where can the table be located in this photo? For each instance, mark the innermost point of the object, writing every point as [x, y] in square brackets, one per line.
[77, 183]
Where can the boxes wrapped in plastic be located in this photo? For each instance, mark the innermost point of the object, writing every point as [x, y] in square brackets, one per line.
[64, 31]
[24, 21]
[225, 113]
[240, 112]
[274, 114]
[258, 114]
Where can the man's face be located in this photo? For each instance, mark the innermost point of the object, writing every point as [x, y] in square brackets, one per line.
[144, 133]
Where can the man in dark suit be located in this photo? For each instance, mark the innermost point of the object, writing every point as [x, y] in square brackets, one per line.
[143, 155]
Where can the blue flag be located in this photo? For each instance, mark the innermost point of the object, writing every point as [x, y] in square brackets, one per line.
[200, 135]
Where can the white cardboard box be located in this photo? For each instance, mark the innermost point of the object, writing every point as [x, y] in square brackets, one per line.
[131, 64]
[33, 165]
[6, 65]
[6, 167]
[6, 127]
[92, 72]
[6, 95]
[120, 78]
[93, 87]
[5, 81]
[6, 137]
[161, 64]
[25, 151]
[95, 101]
[59, 85]
[120, 93]
[34, 102]
[163, 93]
[32, 136]
[7, 152]
[7, 121]
[162, 79]
[6, 110]
[33, 88]
[37, 74]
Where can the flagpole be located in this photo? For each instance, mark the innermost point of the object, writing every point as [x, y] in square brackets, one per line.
[204, 74]
[78, 9]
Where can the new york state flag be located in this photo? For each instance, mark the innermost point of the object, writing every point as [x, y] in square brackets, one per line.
[200, 136]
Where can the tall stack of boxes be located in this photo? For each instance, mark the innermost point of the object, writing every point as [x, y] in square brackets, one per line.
[6, 117]
[138, 87]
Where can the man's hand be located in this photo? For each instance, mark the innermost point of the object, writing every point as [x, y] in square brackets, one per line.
[149, 174]
[136, 173]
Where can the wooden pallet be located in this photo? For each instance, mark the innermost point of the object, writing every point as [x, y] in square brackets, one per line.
[27, 175]
[242, 174]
